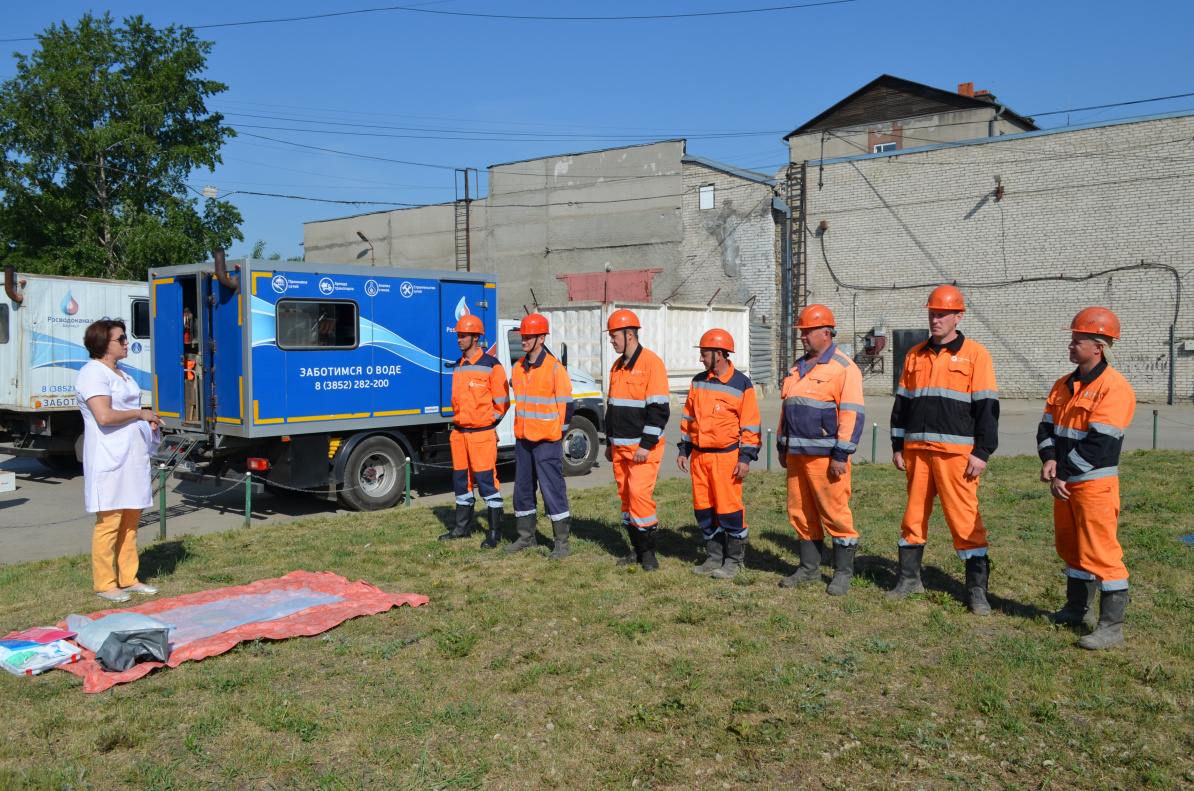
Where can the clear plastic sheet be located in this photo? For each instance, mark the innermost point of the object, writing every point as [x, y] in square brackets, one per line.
[197, 621]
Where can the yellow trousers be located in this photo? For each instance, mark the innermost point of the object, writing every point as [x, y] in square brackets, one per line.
[114, 542]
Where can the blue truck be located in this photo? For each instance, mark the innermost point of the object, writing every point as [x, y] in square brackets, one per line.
[325, 378]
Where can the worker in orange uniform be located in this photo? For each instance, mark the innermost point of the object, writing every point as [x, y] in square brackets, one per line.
[819, 429]
[636, 413]
[480, 397]
[944, 427]
[542, 411]
[720, 432]
[1079, 440]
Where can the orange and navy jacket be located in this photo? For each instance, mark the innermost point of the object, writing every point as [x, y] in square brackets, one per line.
[480, 393]
[542, 398]
[947, 400]
[638, 406]
[721, 415]
[1084, 423]
[823, 410]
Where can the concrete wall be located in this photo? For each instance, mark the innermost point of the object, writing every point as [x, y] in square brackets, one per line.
[922, 130]
[1075, 202]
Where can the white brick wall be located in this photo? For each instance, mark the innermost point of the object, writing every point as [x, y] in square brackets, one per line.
[1074, 203]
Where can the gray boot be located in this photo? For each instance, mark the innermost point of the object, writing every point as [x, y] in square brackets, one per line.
[978, 570]
[1110, 631]
[636, 550]
[717, 554]
[735, 559]
[909, 582]
[525, 525]
[560, 529]
[464, 524]
[810, 564]
[843, 569]
[1079, 603]
[495, 529]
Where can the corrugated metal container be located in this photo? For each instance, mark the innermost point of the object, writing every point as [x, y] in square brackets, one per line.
[760, 355]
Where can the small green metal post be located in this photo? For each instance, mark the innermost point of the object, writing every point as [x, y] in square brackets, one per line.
[248, 499]
[407, 467]
[768, 450]
[1154, 429]
[874, 440]
[162, 502]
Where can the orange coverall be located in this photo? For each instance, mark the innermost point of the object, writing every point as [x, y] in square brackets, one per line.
[636, 414]
[480, 397]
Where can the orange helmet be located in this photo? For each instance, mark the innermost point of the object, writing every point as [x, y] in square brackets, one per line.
[470, 323]
[717, 339]
[623, 320]
[946, 298]
[815, 316]
[1096, 321]
[534, 324]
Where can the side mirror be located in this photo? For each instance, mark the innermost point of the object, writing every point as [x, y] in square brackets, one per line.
[564, 354]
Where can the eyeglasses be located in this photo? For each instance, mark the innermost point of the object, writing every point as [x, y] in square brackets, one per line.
[120, 339]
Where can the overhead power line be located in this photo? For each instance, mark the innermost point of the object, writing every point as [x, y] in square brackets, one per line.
[1116, 104]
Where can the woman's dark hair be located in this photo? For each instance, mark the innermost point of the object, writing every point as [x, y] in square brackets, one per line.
[98, 335]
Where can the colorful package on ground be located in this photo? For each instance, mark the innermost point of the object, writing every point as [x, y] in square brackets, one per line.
[42, 634]
[27, 658]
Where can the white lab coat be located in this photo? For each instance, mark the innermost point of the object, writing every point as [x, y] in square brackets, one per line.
[116, 471]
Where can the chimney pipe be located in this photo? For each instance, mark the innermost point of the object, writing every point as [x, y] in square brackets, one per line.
[222, 272]
[10, 285]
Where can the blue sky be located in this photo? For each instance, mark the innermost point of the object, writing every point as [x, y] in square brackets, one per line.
[517, 89]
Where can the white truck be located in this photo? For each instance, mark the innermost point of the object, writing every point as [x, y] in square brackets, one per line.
[42, 319]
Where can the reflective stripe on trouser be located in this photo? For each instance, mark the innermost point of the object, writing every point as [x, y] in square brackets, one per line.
[636, 485]
[935, 474]
[114, 540]
[716, 494]
[818, 503]
[1084, 529]
[540, 464]
[474, 462]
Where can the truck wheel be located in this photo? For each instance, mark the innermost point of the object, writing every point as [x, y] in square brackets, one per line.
[374, 478]
[68, 465]
[580, 446]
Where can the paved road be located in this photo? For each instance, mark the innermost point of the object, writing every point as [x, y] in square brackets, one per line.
[44, 517]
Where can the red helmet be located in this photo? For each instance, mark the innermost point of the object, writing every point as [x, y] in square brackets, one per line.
[717, 339]
[470, 323]
[815, 316]
[946, 298]
[534, 324]
[623, 320]
[1096, 321]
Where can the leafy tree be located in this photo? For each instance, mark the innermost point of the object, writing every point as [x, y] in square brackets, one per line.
[258, 253]
[100, 128]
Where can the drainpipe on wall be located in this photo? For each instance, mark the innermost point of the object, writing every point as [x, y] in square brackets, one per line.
[991, 124]
[778, 204]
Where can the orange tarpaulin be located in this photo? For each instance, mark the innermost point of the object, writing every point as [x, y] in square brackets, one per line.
[357, 598]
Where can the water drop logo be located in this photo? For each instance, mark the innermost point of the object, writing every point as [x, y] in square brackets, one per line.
[461, 309]
[69, 306]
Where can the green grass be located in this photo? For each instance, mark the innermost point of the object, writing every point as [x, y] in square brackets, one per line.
[529, 674]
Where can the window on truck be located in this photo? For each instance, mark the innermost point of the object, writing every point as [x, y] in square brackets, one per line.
[316, 324]
[140, 318]
[3, 323]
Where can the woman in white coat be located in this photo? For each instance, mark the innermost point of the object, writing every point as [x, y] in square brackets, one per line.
[119, 437]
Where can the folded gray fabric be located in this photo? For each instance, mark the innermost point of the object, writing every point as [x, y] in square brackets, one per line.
[122, 650]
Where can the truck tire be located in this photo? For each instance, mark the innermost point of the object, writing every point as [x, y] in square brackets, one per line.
[374, 477]
[580, 446]
[67, 465]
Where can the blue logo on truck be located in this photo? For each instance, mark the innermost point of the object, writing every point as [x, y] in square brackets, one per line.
[406, 289]
[279, 283]
[326, 286]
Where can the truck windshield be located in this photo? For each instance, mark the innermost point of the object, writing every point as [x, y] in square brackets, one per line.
[316, 324]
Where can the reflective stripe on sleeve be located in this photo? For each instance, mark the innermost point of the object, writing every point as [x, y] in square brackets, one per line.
[897, 432]
[1046, 444]
[1047, 418]
[654, 431]
[848, 407]
[1109, 430]
[659, 399]
[979, 395]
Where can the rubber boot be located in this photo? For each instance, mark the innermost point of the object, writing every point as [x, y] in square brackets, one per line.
[1110, 631]
[647, 542]
[810, 564]
[636, 551]
[843, 569]
[494, 536]
[735, 559]
[525, 525]
[978, 569]
[909, 582]
[464, 523]
[717, 554]
[560, 530]
[1079, 603]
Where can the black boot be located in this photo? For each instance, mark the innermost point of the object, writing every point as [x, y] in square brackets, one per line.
[1079, 603]
[735, 559]
[636, 550]
[717, 554]
[560, 530]
[494, 536]
[810, 564]
[843, 569]
[909, 582]
[647, 542]
[1110, 631]
[978, 569]
[525, 525]
[464, 523]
